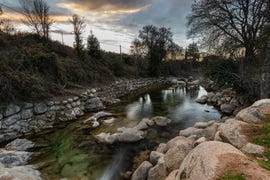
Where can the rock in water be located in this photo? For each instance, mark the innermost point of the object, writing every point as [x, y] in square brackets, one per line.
[161, 121]
[202, 100]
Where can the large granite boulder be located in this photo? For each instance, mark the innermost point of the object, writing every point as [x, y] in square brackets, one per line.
[231, 132]
[211, 160]
[250, 115]
[154, 157]
[159, 171]
[142, 171]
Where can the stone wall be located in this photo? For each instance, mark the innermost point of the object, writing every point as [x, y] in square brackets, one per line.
[26, 118]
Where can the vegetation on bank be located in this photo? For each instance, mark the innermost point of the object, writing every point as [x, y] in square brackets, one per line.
[32, 67]
[231, 175]
[260, 135]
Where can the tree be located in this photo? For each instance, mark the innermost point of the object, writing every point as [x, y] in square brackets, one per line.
[155, 42]
[36, 15]
[230, 24]
[93, 47]
[137, 49]
[193, 51]
[5, 24]
[174, 50]
[78, 28]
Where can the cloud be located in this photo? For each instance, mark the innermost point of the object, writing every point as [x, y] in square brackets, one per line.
[105, 6]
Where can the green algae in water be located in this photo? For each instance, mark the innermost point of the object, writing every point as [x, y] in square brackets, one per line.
[73, 152]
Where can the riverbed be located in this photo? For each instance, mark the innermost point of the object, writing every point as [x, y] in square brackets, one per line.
[72, 152]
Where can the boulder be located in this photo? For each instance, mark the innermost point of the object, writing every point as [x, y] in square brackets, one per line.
[94, 104]
[12, 119]
[14, 158]
[263, 105]
[19, 145]
[109, 121]
[175, 155]
[141, 126]
[212, 159]
[161, 121]
[159, 171]
[19, 172]
[178, 140]
[148, 121]
[210, 95]
[95, 124]
[172, 175]
[142, 171]
[203, 125]
[97, 116]
[231, 132]
[154, 157]
[199, 141]
[202, 100]
[27, 114]
[11, 110]
[162, 148]
[250, 115]
[227, 108]
[125, 135]
[191, 131]
[253, 149]
[40, 108]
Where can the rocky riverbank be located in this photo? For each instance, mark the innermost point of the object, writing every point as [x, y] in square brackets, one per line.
[26, 118]
[210, 150]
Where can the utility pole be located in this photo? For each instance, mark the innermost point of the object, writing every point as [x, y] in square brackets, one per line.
[62, 33]
[120, 52]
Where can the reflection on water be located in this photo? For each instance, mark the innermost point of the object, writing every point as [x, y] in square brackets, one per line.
[178, 104]
[73, 153]
[139, 109]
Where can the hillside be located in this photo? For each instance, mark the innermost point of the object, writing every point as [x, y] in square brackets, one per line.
[32, 68]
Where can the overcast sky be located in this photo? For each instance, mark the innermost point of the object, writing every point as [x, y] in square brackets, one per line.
[115, 22]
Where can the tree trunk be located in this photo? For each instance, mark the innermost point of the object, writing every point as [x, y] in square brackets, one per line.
[250, 53]
[265, 74]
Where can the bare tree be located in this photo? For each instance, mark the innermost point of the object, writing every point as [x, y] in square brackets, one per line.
[230, 24]
[37, 16]
[78, 28]
[5, 24]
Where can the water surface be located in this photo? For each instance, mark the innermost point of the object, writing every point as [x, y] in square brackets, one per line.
[72, 152]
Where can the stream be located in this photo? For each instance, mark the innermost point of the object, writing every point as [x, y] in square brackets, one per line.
[71, 151]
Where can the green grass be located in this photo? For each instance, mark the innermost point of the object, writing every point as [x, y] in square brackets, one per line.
[264, 140]
[231, 175]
